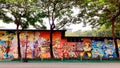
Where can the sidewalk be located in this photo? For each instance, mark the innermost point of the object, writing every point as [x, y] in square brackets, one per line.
[59, 65]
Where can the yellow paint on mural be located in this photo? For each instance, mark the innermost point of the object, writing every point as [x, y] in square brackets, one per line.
[29, 56]
[118, 41]
[81, 54]
[89, 54]
[15, 55]
[1, 54]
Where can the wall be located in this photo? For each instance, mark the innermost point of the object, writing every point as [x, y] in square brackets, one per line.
[36, 45]
[90, 48]
[118, 41]
[8, 44]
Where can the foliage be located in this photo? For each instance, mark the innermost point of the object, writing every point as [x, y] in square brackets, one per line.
[101, 32]
[60, 13]
[21, 12]
[100, 12]
[78, 33]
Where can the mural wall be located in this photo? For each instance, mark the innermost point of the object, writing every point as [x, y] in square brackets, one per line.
[118, 41]
[35, 44]
[103, 48]
[8, 44]
[90, 48]
[77, 49]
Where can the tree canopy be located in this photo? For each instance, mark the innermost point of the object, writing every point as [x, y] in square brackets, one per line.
[60, 12]
[23, 13]
[102, 12]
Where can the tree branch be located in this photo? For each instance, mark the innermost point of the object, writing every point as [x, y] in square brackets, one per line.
[116, 15]
[62, 26]
[49, 16]
[53, 15]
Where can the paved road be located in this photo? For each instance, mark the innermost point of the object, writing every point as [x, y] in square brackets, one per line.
[59, 65]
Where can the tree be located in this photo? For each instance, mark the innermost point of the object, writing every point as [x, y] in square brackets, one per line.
[104, 31]
[23, 13]
[103, 12]
[59, 15]
[55, 10]
[117, 29]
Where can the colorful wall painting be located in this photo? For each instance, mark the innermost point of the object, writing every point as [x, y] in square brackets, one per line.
[87, 47]
[118, 42]
[103, 48]
[8, 45]
[57, 45]
[36, 44]
[77, 49]
[69, 50]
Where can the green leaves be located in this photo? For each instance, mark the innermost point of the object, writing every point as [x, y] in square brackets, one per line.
[106, 12]
[25, 12]
[5, 18]
[99, 12]
[59, 11]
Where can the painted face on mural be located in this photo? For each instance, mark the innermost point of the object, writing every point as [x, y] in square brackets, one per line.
[87, 47]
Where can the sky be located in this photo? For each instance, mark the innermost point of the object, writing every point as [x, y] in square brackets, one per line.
[74, 27]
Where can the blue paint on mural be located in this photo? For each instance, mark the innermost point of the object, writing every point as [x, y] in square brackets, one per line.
[2, 42]
[103, 48]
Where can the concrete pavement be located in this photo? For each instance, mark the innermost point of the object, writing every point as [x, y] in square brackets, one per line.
[59, 65]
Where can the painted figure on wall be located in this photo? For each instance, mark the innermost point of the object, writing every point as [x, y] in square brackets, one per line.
[97, 50]
[109, 49]
[57, 48]
[37, 46]
[87, 48]
[118, 42]
[79, 48]
[103, 48]
[8, 45]
[2, 48]
[72, 51]
[65, 50]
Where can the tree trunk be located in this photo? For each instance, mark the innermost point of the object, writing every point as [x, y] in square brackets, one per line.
[18, 39]
[51, 48]
[114, 38]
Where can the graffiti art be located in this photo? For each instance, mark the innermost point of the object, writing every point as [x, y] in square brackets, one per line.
[36, 44]
[118, 43]
[103, 48]
[8, 44]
